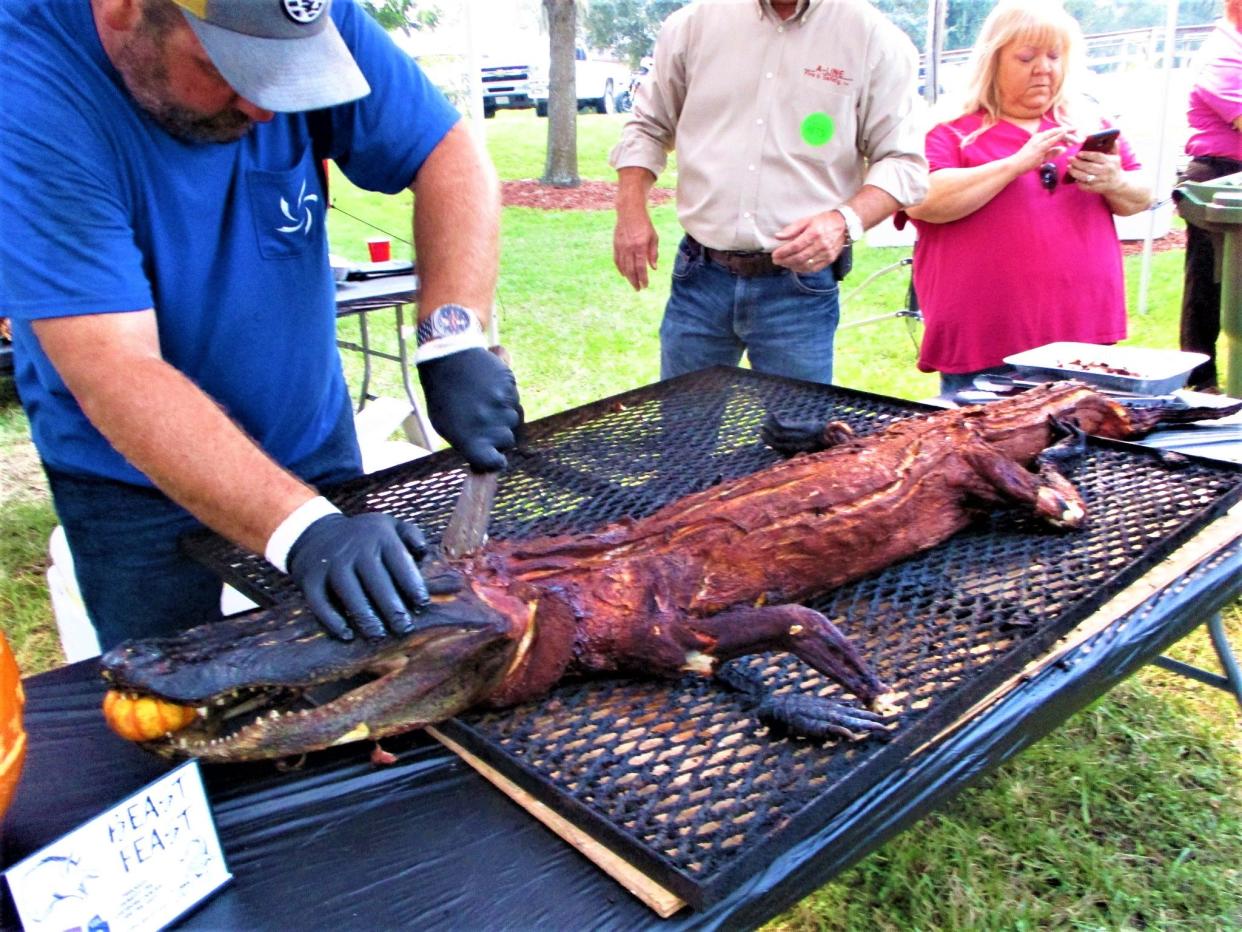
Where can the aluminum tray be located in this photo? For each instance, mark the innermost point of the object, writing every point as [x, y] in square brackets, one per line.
[1157, 372]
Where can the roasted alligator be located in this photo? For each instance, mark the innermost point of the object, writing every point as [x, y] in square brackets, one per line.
[709, 577]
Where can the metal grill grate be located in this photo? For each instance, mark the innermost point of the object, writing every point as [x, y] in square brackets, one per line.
[681, 778]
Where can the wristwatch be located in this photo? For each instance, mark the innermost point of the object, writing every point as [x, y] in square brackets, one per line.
[446, 321]
[853, 224]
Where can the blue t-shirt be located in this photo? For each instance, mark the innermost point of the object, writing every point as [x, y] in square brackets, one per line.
[106, 212]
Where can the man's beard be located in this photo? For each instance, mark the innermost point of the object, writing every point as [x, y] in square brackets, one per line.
[146, 77]
[227, 126]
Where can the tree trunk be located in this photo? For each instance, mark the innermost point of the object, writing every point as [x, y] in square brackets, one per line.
[561, 167]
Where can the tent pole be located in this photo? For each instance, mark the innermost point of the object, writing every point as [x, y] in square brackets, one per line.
[1159, 189]
[474, 72]
[934, 47]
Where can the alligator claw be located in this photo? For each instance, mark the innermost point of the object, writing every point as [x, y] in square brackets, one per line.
[815, 717]
[805, 716]
[790, 437]
[1071, 444]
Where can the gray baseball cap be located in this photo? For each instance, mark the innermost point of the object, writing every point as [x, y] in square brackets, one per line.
[283, 55]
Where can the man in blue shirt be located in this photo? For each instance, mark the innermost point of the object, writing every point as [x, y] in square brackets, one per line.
[164, 262]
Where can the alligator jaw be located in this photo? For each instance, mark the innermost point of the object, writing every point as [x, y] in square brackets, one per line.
[272, 684]
[446, 673]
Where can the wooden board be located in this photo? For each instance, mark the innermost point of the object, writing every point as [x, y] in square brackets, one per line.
[656, 897]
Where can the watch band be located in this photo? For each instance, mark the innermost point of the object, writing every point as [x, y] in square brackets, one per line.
[853, 224]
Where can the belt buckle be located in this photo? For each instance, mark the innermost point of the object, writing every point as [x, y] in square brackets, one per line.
[748, 264]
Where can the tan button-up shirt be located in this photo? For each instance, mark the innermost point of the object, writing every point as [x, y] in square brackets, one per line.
[775, 120]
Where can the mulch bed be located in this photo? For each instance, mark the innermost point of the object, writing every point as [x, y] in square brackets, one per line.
[1175, 239]
[600, 195]
[589, 195]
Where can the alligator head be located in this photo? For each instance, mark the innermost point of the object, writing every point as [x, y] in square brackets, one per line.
[273, 683]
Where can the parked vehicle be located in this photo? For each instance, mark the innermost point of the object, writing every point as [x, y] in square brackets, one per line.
[505, 87]
[599, 82]
[625, 100]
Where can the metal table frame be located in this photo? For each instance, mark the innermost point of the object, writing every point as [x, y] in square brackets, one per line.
[360, 298]
[1230, 681]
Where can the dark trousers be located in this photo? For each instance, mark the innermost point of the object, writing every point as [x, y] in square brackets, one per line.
[1200, 325]
[134, 578]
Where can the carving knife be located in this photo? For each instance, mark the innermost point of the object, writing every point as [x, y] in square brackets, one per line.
[467, 526]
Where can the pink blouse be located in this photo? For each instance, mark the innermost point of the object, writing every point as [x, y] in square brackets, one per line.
[1030, 267]
[1216, 98]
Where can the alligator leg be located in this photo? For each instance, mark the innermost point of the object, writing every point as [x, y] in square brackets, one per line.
[801, 631]
[1049, 494]
[809, 716]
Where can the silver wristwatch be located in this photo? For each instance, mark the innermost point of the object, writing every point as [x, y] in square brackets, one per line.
[853, 224]
[448, 320]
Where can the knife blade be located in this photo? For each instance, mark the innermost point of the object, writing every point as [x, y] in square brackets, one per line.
[467, 526]
[466, 530]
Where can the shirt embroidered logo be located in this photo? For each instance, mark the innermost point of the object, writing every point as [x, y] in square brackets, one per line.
[304, 11]
[831, 75]
[301, 217]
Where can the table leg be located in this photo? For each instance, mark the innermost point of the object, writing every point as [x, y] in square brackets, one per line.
[416, 426]
[1230, 682]
[365, 340]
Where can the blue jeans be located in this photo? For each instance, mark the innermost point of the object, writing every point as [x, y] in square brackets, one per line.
[785, 322]
[134, 579]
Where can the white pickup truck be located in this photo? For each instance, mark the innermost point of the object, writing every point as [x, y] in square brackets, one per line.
[505, 87]
[599, 82]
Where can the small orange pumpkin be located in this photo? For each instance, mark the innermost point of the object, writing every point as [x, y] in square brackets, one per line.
[12, 734]
[143, 718]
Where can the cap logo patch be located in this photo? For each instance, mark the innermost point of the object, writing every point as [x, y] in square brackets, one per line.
[303, 11]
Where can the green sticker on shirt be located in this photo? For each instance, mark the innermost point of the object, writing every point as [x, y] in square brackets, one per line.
[817, 129]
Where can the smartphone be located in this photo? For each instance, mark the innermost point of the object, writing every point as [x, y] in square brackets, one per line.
[1103, 141]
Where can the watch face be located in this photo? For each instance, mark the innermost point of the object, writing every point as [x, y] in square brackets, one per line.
[446, 321]
[451, 319]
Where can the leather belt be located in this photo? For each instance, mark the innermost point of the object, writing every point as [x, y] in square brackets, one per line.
[744, 264]
[1219, 162]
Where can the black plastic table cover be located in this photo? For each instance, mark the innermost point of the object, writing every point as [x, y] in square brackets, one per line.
[428, 843]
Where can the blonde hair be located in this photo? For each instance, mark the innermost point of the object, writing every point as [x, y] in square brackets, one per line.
[1042, 23]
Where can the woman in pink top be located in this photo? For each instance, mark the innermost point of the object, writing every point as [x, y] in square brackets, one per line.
[1215, 148]
[1010, 254]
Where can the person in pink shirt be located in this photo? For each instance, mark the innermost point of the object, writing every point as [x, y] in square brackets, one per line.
[1215, 150]
[1016, 243]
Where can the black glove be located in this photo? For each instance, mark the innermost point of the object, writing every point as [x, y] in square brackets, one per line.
[363, 566]
[472, 401]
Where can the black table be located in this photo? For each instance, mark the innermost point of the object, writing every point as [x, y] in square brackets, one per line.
[339, 843]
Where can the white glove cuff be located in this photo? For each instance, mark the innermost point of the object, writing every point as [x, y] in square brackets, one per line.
[289, 530]
[446, 346]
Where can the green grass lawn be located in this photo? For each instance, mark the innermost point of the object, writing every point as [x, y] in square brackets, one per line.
[1129, 816]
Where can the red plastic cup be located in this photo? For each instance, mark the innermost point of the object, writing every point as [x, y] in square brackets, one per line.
[381, 248]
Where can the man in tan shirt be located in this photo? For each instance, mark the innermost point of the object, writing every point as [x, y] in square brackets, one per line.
[795, 128]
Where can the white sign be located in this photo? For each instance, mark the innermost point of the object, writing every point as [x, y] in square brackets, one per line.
[137, 866]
